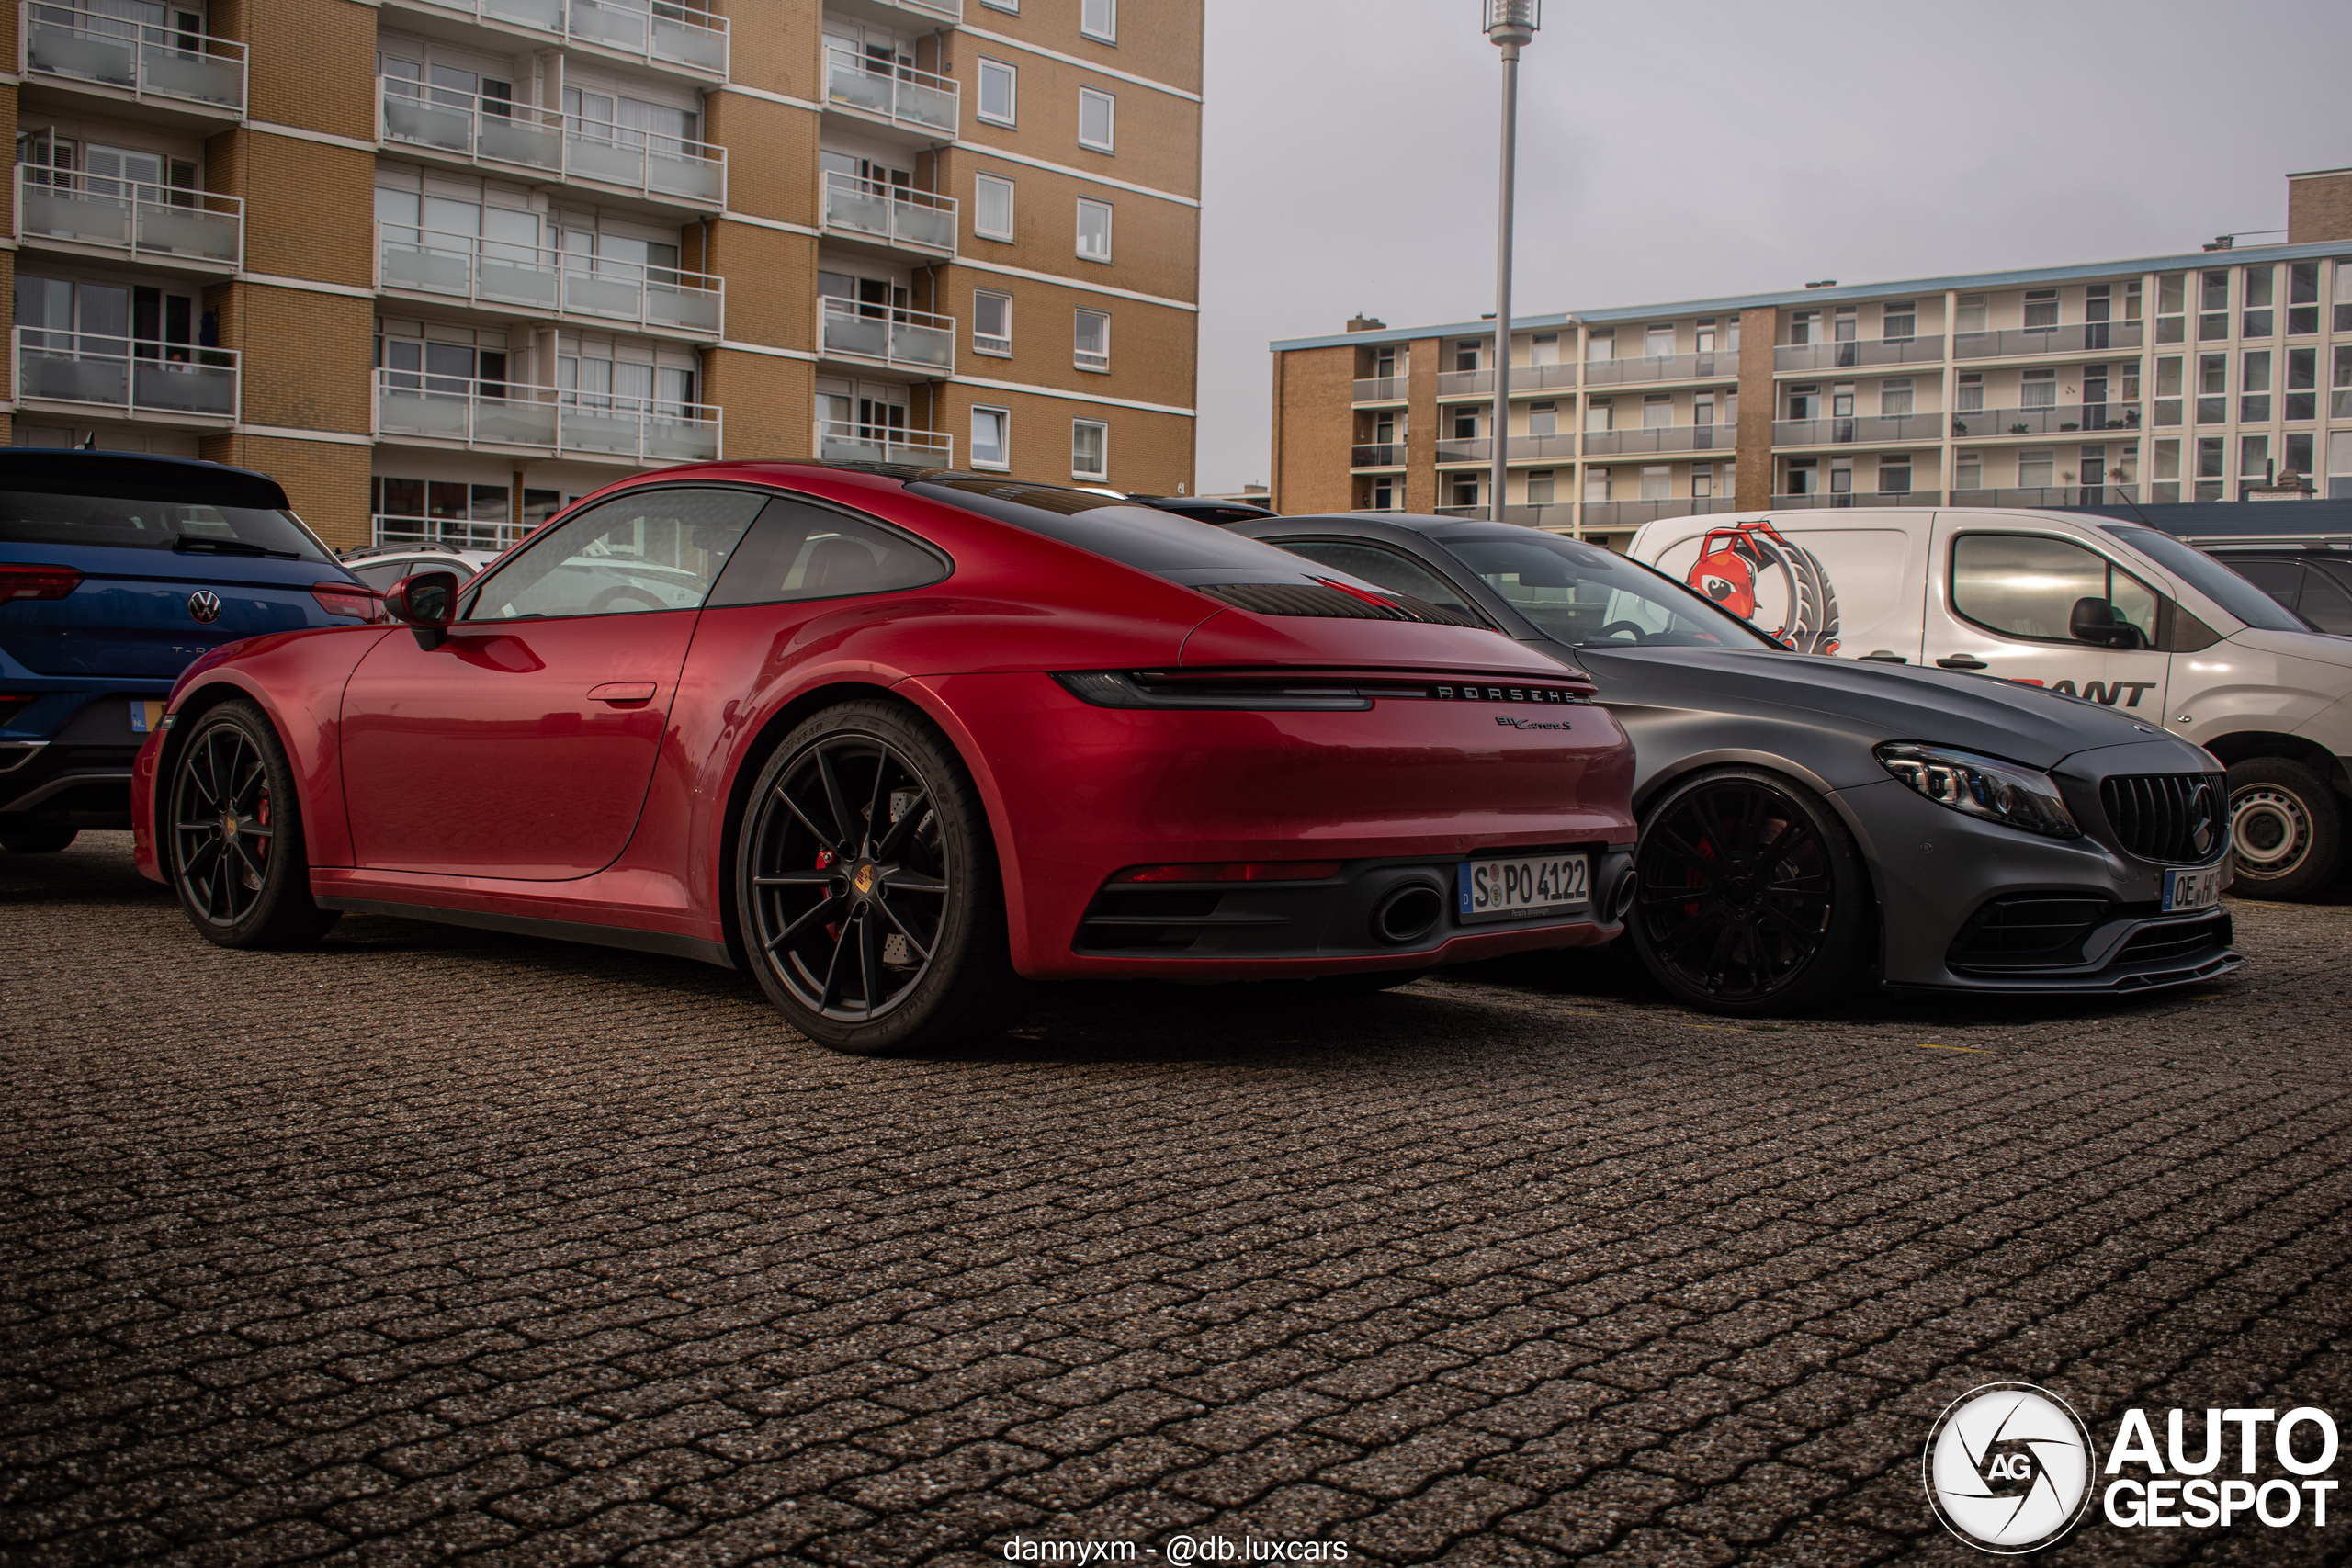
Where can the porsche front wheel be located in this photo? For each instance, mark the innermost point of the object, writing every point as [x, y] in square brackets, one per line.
[235, 835]
[866, 887]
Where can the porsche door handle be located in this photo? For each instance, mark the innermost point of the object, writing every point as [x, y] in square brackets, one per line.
[1962, 662]
[623, 694]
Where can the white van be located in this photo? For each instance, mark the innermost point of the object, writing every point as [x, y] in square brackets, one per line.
[2099, 610]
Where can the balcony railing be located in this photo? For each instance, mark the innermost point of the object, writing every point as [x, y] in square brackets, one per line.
[148, 221]
[1659, 438]
[2065, 419]
[495, 134]
[1540, 377]
[1866, 427]
[168, 65]
[1377, 454]
[1466, 449]
[2049, 495]
[841, 441]
[1717, 367]
[129, 375]
[1558, 446]
[911, 219]
[899, 93]
[506, 273]
[1821, 499]
[1380, 388]
[2084, 337]
[544, 419]
[1848, 355]
[1464, 383]
[450, 532]
[937, 10]
[660, 32]
[1618, 513]
[879, 335]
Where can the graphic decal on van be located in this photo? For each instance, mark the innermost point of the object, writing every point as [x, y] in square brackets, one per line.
[2105, 692]
[1752, 571]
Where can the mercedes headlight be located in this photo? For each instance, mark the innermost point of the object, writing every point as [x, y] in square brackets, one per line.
[1982, 786]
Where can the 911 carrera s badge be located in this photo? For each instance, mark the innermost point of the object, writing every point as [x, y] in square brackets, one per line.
[204, 605]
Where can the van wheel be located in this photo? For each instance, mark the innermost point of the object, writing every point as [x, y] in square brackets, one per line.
[1751, 900]
[2286, 828]
[867, 891]
[235, 835]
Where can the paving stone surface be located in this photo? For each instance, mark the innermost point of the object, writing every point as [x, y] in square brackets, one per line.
[432, 1244]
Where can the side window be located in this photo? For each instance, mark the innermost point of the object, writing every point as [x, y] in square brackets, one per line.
[381, 577]
[651, 549]
[800, 551]
[2275, 577]
[2022, 585]
[1388, 568]
[2325, 602]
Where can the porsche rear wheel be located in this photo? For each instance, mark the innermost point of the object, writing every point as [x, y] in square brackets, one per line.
[234, 835]
[1751, 900]
[868, 890]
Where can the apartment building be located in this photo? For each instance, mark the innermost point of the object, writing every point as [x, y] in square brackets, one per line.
[441, 265]
[2200, 376]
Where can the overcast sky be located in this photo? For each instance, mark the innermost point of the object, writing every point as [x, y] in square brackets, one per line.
[1700, 147]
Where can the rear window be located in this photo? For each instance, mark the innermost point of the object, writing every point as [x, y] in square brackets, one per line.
[152, 523]
[1161, 543]
[2211, 578]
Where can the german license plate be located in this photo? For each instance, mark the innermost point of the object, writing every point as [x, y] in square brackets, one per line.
[2196, 889]
[1492, 890]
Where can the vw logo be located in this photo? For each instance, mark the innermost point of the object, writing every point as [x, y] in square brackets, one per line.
[2008, 1468]
[204, 605]
[2201, 819]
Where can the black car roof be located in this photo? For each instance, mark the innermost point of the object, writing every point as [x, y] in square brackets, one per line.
[140, 476]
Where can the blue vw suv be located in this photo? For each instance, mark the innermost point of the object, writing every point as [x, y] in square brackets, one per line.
[117, 570]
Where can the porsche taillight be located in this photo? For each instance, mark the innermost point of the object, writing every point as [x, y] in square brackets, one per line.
[36, 581]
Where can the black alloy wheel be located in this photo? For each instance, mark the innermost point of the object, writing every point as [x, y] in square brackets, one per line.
[868, 887]
[235, 835]
[1750, 897]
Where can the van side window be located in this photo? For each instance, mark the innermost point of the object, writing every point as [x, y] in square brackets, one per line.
[2025, 585]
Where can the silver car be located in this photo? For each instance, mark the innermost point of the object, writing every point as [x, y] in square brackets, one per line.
[1807, 822]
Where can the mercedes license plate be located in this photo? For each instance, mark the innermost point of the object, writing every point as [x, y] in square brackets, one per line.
[1494, 889]
[2194, 888]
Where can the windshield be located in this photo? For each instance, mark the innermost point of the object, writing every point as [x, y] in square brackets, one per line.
[1585, 597]
[40, 517]
[2213, 579]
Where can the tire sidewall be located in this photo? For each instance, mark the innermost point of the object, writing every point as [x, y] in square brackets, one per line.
[969, 852]
[286, 877]
[1838, 957]
[2322, 811]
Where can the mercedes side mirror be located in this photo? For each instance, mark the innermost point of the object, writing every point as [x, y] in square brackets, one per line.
[427, 603]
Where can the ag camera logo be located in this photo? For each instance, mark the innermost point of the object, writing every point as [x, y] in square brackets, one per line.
[2008, 1468]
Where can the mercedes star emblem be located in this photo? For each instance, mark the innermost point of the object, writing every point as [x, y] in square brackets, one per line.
[204, 605]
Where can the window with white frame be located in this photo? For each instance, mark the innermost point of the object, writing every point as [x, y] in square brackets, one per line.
[1539, 486]
[990, 446]
[1094, 115]
[1968, 397]
[1011, 5]
[1658, 410]
[1596, 486]
[1657, 481]
[1093, 230]
[991, 321]
[1089, 441]
[1090, 340]
[2037, 389]
[1601, 346]
[992, 207]
[1543, 419]
[1968, 472]
[1000, 91]
[1899, 321]
[1975, 318]
[1895, 473]
[2042, 309]
[1599, 415]
[1657, 341]
[1895, 399]
[1543, 348]
[2037, 468]
[1099, 19]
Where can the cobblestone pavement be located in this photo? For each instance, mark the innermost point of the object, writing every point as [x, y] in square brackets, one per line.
[432, 1244]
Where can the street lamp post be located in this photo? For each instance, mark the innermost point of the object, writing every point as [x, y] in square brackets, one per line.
[1510, 23]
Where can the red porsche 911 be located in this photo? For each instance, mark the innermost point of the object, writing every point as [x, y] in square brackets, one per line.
[899, 740]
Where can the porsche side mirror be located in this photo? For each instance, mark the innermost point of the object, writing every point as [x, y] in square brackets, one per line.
[427, 603]
[2094, 621]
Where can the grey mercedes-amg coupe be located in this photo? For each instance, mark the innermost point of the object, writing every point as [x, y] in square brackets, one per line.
[1809, 821]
